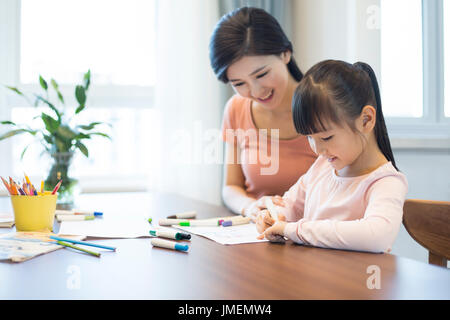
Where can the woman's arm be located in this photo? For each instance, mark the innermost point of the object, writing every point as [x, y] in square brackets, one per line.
[233, 191]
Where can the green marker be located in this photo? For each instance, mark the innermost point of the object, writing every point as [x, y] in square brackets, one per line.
[150, 220]
[199, 223]
[170, 234]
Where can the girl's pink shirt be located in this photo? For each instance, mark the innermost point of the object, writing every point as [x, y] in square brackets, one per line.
[361, 213]
[265, 172]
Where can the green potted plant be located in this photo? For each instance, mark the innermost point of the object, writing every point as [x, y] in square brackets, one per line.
[59, 137]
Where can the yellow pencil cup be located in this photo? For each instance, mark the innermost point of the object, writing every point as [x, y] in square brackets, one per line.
[34, 213]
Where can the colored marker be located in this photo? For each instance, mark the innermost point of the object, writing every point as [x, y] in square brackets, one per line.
[57, 187]
[84, 243]
[78, 248]
[64, 217]
[170, 234]
[79, 212]
[150, 220]
[235, 222]
[170, 222]
[42, 186]
[184, 215]
[192, 223]
[156, 242]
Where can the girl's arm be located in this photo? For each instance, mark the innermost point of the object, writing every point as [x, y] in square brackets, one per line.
[375, 232]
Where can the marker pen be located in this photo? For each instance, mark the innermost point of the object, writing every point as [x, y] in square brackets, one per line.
[235, 222]
[170, 234]
[78, 212]
[156, 242]
[63, 217]
[170, 222]
[192, 223]
[184, 215]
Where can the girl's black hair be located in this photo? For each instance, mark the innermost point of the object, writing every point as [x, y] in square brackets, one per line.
[248, 31]
[334, 91]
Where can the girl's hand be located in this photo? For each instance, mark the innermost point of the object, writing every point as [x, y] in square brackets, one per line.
[273, 232]
[255, 207]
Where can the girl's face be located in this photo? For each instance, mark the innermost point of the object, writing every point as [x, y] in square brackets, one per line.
[341, 146]
[263, 79]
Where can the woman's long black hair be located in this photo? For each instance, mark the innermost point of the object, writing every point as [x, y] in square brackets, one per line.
[335, 91]
[248, 31]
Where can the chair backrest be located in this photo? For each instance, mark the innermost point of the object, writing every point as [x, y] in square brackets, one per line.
[428, 222]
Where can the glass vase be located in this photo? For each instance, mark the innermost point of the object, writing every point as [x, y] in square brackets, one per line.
[68, 190]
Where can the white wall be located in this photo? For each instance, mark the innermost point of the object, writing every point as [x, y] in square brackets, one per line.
[345, 30]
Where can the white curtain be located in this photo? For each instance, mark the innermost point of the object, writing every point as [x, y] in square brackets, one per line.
[189, 100]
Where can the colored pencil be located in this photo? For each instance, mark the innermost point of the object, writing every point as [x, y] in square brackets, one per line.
[57, 187]
[13, 187]
[78, 248]
[83, 243]
[6, 185]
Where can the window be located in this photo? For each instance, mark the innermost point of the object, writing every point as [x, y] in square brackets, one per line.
[415, 70]
[447, 57]
[62, 39]
[116, 41]
[401, 58]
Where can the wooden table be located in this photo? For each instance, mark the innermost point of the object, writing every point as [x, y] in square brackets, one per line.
[210, 270]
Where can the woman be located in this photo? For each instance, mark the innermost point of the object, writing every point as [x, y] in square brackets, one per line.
[249, 49]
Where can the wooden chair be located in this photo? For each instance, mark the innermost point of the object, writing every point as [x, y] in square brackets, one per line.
[428, 222]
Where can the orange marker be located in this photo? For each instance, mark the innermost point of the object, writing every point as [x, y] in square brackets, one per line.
[57, 187]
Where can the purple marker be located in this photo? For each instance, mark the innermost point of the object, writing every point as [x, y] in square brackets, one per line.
[236, 222]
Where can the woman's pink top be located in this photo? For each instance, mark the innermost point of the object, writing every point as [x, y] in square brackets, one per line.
[361, 213]
[270, 165]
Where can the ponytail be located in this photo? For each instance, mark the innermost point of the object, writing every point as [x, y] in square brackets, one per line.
[380, 126]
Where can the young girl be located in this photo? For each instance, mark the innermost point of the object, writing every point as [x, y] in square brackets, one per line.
[249, 50]
[352, 196]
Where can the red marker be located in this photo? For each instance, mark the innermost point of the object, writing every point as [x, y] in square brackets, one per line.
[57, 187]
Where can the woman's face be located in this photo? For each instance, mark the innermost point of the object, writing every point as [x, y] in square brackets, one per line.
[263, 79]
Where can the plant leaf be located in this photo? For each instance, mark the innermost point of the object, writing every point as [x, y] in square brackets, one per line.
[50, 105]
[50, 124]
[8, 122]
[66, 133]
[82, 148]
[87, 79]
[100, 134]
[43, 83]
[15, 132]
[89, 126]
[56, 87]
[15, 90]
[80, 94]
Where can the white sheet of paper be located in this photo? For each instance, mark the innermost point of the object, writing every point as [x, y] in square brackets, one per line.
[245, 233]
[107, 228]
